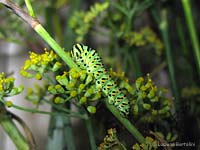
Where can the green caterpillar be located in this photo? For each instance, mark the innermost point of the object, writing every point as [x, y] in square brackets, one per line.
[87, 59]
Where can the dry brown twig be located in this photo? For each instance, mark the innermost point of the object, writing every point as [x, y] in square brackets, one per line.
[21, 13]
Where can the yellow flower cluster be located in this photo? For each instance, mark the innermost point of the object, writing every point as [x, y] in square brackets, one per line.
[189, 92]
[144, 96]
[122, 80]
[148, 98]
[6, 83]
[143, 37]
[76, 85]
[7, 87]
[37, 94]
[111, 141]
[147, 88]
[150, 144]
[94, 11]
[40, 63]
[191, 97]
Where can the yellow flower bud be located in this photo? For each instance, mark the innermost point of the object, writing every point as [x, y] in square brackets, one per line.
[38, 76]
[73, 93]
[91, 109]
[9, 103]
[83, 100]
[58, 100]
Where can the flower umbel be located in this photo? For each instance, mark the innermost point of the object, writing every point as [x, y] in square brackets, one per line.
[111, 141]
[7, 87]
[40, 63]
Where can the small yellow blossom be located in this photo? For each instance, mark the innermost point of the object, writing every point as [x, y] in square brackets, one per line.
[9, 103]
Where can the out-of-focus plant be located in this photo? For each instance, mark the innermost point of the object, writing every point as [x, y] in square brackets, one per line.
[82, 22]
[156, 142]
[120, 29]
[111, 141]
[191, 95]
[46, 62]
[146, 36]
[149, 144]
[147, 101]
[7, 88]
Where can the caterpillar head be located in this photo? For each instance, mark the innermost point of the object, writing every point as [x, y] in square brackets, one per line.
[77, 50]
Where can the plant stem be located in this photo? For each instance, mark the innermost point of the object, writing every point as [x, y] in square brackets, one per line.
[11, 129]
[68, 131]
[134, 60]
[72, 114]
[88, 124]
[68, 33]
[165, 36]
[55, 134]
[58, 27]
[65, 56]
[192, 31]
[182, 37]
[68, 134]
[28, 134]
[30, 9]
[127, 124]
[42, 32]
[60, 133]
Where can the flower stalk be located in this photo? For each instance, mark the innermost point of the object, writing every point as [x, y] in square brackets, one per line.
[11, 129]
[192, 31]
[127, 124]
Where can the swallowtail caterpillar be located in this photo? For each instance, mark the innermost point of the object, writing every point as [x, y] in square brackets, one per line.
[88, 59]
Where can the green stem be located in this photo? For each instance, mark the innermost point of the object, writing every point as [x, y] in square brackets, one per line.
[68, 32]
[192, 31]
[65, 56]
[27, 132]
[182, 37]
[127, 124]
[60, 133]
[13, 132]
[68, 133]
[49, 113]
[57, 27]
[55, 133]
[88, 124]
[30, 9]
[11, 129]
[134, 60]
[42, 33]
[165, 36]
[58, 107]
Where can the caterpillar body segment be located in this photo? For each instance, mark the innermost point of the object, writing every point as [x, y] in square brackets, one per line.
[88, 59]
